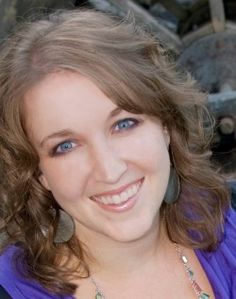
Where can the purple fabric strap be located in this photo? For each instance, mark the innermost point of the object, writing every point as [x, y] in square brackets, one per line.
[220, 267]
[18, 286]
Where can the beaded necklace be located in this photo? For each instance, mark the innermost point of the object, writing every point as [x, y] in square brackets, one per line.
[197, 289]
[184, 260]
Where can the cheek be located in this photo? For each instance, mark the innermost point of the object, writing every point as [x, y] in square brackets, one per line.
[66, 177]
[149, 149]
[155, 161]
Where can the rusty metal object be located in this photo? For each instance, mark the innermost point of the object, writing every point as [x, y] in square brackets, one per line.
[223, 104]
[227, 125]
[212, 61]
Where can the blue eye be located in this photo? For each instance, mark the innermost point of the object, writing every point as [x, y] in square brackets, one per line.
[125, 124]
[64, 147]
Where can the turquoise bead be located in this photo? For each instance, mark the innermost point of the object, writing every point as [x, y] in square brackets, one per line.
[190, 273]
[99, 296]
[204, 296]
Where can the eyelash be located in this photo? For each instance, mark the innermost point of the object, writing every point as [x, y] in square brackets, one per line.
[55, 152]
[132, 123]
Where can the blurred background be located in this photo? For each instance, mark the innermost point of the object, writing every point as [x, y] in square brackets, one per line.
[201, 35]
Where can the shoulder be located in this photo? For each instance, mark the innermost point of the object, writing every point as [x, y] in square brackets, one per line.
[227, 246]
[15, 283]
[220, 265]
[7, 263]
[9, 274]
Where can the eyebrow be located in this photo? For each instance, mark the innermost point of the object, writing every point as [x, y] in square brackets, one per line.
[67, 132]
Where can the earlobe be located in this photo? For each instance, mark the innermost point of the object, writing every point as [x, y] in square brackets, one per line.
[166, 136]
[44, 182]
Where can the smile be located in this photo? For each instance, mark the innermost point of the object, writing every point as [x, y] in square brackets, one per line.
[121, 197]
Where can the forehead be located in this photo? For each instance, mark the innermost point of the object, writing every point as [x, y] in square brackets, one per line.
[64, 99]
[65, 86]
[63, 91]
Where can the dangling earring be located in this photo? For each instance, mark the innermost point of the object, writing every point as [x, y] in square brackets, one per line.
[65, 228]
[173, 187]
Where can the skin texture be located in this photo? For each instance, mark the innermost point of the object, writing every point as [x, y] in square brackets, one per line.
[103, 155]
[100, 153]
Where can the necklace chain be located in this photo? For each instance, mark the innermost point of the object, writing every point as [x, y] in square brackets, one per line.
[99, 293]
[197, 289]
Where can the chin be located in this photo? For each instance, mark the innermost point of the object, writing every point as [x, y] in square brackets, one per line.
[134, 232]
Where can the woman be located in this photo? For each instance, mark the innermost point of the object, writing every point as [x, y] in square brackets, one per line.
[107, 191]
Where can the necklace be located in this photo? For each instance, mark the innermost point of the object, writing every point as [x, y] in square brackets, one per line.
[184, 260]
[197, 289]
[99, 293]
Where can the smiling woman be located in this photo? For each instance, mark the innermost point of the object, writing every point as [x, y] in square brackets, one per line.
[108, 191]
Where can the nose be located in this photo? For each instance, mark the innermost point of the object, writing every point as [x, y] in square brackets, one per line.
[108, 164]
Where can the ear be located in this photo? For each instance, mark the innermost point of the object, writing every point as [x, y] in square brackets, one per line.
[44, 181]
[166, 136]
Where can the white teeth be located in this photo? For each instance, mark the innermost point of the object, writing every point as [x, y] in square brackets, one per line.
[116, 199]
[124, 196]
[119, 198]
[104, 199]
[130, 193]
[134, 189]
[109, 199]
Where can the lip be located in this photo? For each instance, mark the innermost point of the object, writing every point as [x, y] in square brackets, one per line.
[124, 206]
[118, 190]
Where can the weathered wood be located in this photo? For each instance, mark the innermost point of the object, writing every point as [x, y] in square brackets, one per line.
[217, 15]
[143, 17]
[197, 34]
[205, 30]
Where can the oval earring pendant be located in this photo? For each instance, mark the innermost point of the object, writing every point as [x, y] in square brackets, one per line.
[173, 187]
[65, 228]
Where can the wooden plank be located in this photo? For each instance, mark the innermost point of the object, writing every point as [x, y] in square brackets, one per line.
[206, 29]
[170, 39]
[217, 15]
[197, 34]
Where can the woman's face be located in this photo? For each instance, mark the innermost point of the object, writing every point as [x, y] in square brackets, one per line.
[106, 167]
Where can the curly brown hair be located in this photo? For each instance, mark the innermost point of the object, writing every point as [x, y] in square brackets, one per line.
[135, 72]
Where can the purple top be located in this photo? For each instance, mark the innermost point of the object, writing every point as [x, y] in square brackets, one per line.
[17, 286]
[220, 267]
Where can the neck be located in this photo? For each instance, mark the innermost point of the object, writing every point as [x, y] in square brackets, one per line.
[116, 259]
